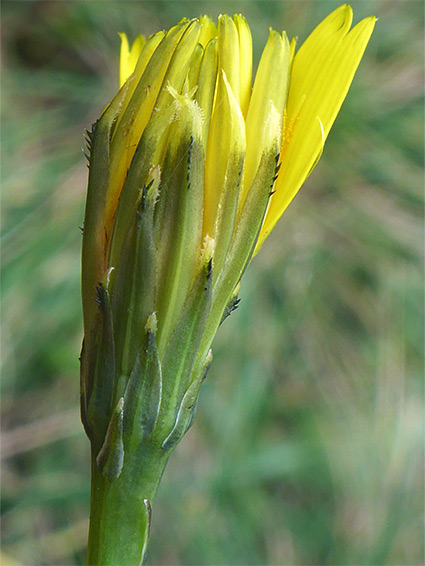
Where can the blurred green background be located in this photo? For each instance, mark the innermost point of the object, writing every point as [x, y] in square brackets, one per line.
[308, 444]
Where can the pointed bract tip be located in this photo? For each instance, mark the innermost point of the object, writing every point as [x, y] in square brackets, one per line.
[208, 249]
[152, 323]
[154, 182]
[107, 277]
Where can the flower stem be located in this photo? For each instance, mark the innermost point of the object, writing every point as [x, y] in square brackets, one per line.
[120, 510]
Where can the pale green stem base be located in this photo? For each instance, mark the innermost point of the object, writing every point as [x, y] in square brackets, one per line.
[119, 516]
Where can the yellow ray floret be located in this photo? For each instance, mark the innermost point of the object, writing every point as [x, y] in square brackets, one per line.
[245, 61]
[305, 90]
[270, 87]
[228, 46]
[224, 147]
[129, 56]
[208, 30]
[322, 73]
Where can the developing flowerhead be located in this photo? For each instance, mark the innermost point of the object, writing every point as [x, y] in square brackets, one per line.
[191, 166]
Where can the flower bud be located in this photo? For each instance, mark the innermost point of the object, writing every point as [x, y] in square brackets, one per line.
[190, 168]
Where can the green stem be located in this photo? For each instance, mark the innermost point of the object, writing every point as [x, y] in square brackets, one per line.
[120, 510]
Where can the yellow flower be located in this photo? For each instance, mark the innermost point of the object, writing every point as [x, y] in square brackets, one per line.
[321, 74]
[191, 166]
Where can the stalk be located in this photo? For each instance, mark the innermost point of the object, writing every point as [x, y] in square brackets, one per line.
[120, 510]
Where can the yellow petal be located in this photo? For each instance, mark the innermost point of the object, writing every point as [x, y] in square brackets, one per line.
[124, 54]
[228, 49]
[322, 73]
[226, 140]
[206, 86]
[137, 114]
[129, 57]
[132, 81]
[270, 87]
[245, 61]
[194, 65]
[148, 50]
[179, 64]
[208, 30]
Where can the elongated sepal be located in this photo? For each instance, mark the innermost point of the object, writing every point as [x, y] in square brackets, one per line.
[110, 459]
[248, 226]
[135, 286]
[187, 410]
[93, 263]
[100, 389]
[178, 217]
[144, 389]
[145, 269]
[95, 228]
[182, 347]
[148, 156]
